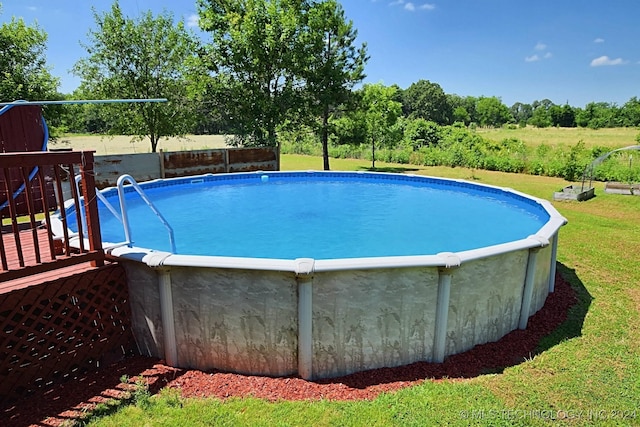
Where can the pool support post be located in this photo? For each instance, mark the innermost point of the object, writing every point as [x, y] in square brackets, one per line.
[161, 160]
[168, 321]
[529, 280]
[442, 315]
[552, 271]
[442, 306]
[527, 293]
[304, 279]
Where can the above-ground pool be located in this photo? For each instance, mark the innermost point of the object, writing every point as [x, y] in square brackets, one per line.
[322, 274]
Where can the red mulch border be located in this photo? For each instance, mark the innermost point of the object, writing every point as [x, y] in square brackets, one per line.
[72, 400]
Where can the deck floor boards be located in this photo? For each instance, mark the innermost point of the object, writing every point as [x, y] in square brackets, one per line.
[28, 251]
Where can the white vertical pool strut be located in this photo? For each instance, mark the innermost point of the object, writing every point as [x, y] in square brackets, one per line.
[527, 293]
[442, 314]
[304, 278]
[554, 254]
[305, 327]
[168, 321]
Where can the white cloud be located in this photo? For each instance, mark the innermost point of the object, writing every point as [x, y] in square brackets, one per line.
[192, 20]
[411, 7]
[605, 60]
[539, 47]
[598, 40]
[32, 8]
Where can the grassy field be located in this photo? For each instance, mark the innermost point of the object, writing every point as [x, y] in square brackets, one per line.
[103, 145]
[588, 370]
[555, 137]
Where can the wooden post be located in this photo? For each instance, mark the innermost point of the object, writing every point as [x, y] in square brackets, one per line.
[91, 206]
[162, 173]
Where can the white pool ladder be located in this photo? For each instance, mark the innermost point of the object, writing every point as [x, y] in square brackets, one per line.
[100, 197]
[104, 200]
[123, 210]
[122, 216]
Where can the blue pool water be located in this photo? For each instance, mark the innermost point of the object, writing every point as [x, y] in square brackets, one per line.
[323, 216]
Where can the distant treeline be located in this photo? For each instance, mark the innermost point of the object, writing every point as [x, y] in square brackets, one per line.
[423, 100]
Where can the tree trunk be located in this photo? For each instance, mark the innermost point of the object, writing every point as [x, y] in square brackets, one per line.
[272, 140]
[325, 138]
[373, 153]
[279, 150]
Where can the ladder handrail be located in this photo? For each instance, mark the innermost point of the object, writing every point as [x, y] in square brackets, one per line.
[83, 219]
[123, 209]
[101, 197]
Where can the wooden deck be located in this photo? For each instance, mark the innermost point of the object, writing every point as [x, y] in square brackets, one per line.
[25, 254]
[33, 270]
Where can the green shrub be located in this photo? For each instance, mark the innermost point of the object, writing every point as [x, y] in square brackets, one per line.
[619, 167]
[536, 167]
[428, 144]
[420, 132]
[346, 151]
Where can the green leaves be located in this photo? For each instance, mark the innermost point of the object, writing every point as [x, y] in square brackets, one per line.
[380, 112]
[279, 60]
[147, 57]
[427, 100]
[23, 70]
[253, 53]
[492, 112]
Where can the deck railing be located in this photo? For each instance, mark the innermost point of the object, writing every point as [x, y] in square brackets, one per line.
[48, 176]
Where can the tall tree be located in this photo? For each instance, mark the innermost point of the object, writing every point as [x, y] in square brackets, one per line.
[540, 117]
[255, 54]
[630, 112]
[597, 115]
[492, 112]
[274, 61]
[562, 116]
[463, 108]
[140, 58]
[521, 112]
[23, 69]
[380, 114]
[427, 100]
[336, 64]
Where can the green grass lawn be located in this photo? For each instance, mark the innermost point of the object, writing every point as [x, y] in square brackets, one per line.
[589, 369]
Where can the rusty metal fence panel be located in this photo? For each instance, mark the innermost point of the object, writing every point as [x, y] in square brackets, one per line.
[148, 166]
[183, 163]
[142, 166]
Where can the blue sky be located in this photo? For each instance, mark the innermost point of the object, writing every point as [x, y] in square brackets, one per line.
[566, 51]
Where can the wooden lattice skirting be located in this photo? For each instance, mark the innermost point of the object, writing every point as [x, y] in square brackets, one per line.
[59, 330]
